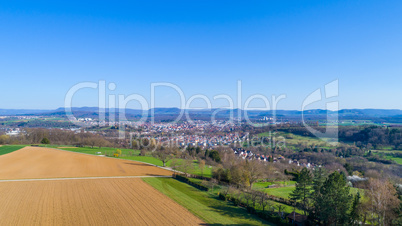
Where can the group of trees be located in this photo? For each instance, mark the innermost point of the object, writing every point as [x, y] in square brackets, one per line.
[59, 137]
[383, 205]
[37, 123]
[244, 173]
[324, 193]
[327, 199]
[167, 152]
[255, 202]
[372, 136]
[363, 136]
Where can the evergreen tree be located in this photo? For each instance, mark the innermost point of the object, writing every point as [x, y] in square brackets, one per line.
[319, 176]
[349, 168]
[45, 141]
[334, 200]
[303, 189]
[354, 213]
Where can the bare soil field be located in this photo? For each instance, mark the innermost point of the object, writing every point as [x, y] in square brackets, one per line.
[39, 162]
[89, 202]
[72, 196]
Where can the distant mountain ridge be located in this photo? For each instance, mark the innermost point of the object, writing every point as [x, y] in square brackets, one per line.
[205, 112]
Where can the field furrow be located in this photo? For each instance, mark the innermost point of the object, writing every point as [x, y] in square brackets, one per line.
[89, 202]
[37, 162]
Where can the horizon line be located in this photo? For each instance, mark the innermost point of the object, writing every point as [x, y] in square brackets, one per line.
[200, 109]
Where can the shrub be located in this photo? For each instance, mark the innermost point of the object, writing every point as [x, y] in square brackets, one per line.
[187, 181]
[214, 155]
[221, 174]
[222, 197]
[143, 152]
[235, 202]
[117, 153]
[45, 141]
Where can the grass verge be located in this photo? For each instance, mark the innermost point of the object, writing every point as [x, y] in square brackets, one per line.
[10, 148]
[204, 205]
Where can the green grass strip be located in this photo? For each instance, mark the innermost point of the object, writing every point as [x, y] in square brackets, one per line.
[204, 205]
[10, 148]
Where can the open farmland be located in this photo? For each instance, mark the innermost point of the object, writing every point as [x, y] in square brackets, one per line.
[123, 201]
[43, 186]
[37, 162]
[131, 154]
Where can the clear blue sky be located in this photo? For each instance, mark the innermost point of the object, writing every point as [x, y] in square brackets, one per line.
[204, 47]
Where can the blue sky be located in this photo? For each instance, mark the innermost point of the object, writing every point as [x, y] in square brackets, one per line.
[203, 47]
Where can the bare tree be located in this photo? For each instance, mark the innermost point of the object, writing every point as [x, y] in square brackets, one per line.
[228, 189]
[163, 155]
[201, 165]
[280, 209]
[174, 164]
[143, 152]
[247, 197]
[186, 166]
[101, 142]
[211, 183]
[263, 200]
[91, 141]
[4, 139]
[254, 171]
[383, 199]
[254, 197]
[237, 174]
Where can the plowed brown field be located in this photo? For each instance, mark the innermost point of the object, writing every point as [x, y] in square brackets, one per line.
[38, 162]
[95, 201]
[89, 202]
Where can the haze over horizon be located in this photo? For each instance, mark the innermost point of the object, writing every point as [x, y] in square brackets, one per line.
[201, 109]
[272, 47]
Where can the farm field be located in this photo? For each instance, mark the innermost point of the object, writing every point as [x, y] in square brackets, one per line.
[293, 139]
[387, 151]
[123, 201]
[397, 160]
[388, 154]
[131, 154]
[95, 150]
[282, 192]
[68, 188]
[38, 162]
[263, 185]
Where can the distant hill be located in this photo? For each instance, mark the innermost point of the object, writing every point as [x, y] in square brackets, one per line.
[372, 112]
[393, 115]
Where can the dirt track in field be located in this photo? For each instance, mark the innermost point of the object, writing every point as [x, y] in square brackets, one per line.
[89, 202]
[38, 162]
